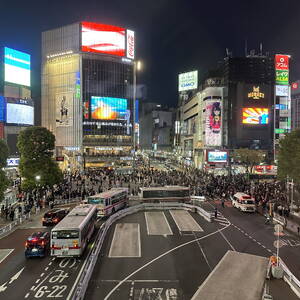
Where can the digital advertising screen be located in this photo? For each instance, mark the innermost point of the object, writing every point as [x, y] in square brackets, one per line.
[16, 67]
[108, 108]
[254, 115]
[217, 156]
[2, 109]
[20, 112]
[106, 39]
[213, 123]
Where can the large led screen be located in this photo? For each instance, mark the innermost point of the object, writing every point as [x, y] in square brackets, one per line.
[19, 114]
[2, 109]
[188, 81]
[254, 115]
[101, 38]
[213, 123]
[16, 67]
[217, 156]
[107, 108]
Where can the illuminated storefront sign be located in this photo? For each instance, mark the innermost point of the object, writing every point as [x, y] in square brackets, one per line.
[12, 162]
[130, 44]
[282, 90]
[282, 77]
[295, 85]
[188, 81]
[256, 94]
[217, 156]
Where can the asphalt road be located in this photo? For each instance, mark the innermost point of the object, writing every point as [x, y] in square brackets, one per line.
[174, 264]
[35, 278]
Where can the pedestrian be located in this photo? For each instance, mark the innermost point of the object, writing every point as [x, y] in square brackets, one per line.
[223, 203]
[216, 212]
[12, 214]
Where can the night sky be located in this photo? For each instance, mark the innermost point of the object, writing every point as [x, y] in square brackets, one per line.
[172, 36]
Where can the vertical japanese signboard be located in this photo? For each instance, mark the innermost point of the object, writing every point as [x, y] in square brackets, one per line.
[282, 69]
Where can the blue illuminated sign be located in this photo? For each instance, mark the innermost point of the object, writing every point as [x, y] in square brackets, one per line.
[16, 67]
[2, 109]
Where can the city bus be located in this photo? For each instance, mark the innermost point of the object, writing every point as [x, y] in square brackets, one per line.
[70, 237]
[165, 193]
[110, 201]
[243, 202]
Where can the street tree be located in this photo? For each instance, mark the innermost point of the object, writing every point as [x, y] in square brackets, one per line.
[289, 157]
[36, 145]
[249, 157]
[3, 159]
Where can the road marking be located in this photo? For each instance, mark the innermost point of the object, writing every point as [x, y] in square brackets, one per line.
[157, 224]
[16, 276]
[6, 253]
[42, 274]
[35, 288]
[46, 268]
[184, 221]
[199, 245]
[50, 263]
[32, 288]
[160, 256]
[126, 241]
[37, 281]
[227, 241]
[26, 295]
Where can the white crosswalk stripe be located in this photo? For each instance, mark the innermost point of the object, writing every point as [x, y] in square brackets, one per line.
[221, 220]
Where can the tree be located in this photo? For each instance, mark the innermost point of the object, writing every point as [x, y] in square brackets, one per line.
[36, 146]
[289, 157]
[3, 158]
[249, 157]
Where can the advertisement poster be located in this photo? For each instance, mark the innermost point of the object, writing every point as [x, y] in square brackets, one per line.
[17, 113]
[64, 109]
[130, 44]
[213, 133]
[282, 62]
[188, 81]
[108, 108]
[101, 38]
[253, 115]
[217, 156]
[16, 67]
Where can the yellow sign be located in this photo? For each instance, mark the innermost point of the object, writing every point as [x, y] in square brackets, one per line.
[256, 94]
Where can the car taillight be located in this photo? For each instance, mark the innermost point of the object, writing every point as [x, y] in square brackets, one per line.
[55, 220]
[42, 243]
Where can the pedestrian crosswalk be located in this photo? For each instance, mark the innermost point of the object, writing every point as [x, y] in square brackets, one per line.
[221, 220]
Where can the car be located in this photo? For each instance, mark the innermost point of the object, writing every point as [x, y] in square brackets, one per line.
[38, 244]
[54, 216]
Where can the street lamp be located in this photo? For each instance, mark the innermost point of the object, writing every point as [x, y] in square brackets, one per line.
[38, 178]
[137, 66]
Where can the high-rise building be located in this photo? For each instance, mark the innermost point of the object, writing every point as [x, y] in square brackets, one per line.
[88, 90]
[16, 105]
[248, 102]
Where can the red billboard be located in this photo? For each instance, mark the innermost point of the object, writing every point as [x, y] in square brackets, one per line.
[101, 38]
[281, 62]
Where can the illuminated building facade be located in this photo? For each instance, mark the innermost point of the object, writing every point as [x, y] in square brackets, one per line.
[16, 105]
[87, 91]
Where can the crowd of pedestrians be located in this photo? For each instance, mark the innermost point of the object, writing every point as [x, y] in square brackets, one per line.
[80, 185]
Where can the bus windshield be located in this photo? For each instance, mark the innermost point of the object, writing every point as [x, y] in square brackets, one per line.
[65, 234]
[96, 200]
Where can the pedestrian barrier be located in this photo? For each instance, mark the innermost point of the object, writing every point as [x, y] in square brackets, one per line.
[290, 278]
[86, 274]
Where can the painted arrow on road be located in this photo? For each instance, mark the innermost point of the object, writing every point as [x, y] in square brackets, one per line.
[16, 276]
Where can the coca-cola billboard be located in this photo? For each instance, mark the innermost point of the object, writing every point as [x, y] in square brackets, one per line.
[130, 44]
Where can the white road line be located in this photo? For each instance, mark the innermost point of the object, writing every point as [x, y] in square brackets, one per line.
[158, 257]
[202, 251]
[147, 225]
[37, 281]
[78, 276]
[42, 274]
[46, 268]
[254, 240]
[53, 258]
[227, 240]
[32, 288]
[50, 263]
[113, 241]
[168, 223]
[26, 295]
[35, 288]
[141, 280]
[139, 239]
[11, 250]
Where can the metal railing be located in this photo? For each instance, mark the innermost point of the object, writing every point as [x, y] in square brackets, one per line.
[290, 278]
[92, 258]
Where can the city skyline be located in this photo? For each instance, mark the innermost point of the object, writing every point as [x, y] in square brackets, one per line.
[165, 45]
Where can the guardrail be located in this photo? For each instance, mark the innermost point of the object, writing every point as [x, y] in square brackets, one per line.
[290, 278]
[92, 258]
